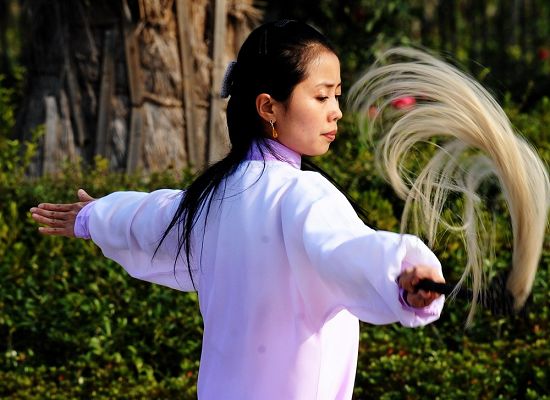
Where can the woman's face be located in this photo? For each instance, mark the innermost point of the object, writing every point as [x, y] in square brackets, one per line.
[307, 122]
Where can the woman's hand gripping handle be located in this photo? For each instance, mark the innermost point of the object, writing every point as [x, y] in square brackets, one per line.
[411, 277]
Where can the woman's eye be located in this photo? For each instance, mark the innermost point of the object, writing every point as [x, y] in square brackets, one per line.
[323, 99]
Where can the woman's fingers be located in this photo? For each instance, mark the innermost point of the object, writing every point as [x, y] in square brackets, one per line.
[54, 207]
[49, 213]
[421, 298]
[59, 219]
[54, 231]
[48, 220]
[410, 277]
[83, 196]
[54, 226]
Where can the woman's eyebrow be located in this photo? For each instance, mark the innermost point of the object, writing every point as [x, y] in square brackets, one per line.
[329, 84]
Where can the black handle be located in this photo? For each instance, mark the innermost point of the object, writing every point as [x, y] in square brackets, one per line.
[428, 284]
[495, 297]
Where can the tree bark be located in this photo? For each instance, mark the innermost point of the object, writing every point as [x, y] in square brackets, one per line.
[130, 81]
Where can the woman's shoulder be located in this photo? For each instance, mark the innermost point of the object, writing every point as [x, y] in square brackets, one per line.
[292, 180]
[311, 185]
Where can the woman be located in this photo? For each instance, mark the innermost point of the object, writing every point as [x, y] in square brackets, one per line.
[283, 266]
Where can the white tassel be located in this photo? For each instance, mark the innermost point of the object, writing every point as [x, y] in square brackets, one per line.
[473, 139]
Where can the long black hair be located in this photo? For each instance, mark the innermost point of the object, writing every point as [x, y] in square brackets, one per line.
[273, 60]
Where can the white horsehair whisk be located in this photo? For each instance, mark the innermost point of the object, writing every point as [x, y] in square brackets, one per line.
[473, 140]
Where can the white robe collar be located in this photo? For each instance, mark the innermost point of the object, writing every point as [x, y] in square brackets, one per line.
[273, 150]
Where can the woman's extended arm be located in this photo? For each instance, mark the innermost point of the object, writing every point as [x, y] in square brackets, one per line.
[342, 263]
[127, 226]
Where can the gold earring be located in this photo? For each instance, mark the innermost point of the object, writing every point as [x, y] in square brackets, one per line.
[274, 133]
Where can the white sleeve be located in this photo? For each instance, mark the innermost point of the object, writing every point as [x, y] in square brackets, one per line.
[128, 226]
[354, 266]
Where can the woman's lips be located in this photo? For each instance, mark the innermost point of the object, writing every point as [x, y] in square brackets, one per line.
[330, 135]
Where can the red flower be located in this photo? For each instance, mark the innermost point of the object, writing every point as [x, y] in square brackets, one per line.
[543, 53]
[403, 103]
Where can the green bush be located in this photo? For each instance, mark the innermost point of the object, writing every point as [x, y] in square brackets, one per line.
[74, 325]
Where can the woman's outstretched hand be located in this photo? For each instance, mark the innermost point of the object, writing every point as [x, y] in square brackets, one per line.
[408, 280]
[59, 219]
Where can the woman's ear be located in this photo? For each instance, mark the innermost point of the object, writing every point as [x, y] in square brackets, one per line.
[265, 107]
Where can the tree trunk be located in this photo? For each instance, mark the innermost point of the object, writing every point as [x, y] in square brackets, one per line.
[130, 81]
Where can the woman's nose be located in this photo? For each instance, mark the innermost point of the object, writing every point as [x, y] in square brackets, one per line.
[336, 113]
